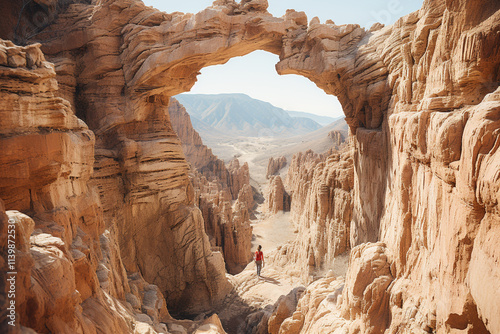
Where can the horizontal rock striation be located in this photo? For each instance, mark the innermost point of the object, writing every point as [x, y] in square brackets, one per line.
[70, 273]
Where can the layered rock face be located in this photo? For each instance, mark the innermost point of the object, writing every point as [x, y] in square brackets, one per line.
[422, 100]
[274, 166]
[70, 273]
[140, 171]
[227, 224]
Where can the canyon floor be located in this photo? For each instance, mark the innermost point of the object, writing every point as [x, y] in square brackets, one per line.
[256, 151]
[252, 293]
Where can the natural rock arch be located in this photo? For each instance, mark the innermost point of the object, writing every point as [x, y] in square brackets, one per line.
[416, 95]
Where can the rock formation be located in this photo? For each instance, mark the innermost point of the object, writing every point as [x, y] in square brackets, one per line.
[422, 100]
[359, 303]
[227, 225]
[321, 191]
[277, 198]
[284, 308]
[337, 138]
[274, 166]
[98, 167]
[70, 273]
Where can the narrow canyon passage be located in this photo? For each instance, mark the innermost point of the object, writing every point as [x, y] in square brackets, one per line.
[269, 229]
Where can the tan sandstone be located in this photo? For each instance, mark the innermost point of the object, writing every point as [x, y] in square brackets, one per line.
[274, 166]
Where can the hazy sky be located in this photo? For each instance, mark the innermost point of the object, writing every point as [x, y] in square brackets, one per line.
[255, 74]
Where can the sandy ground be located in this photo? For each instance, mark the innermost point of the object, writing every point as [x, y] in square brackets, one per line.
[251, 292]
[273, 231]
[254, 151]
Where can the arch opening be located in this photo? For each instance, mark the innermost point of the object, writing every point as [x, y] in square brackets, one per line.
[245, 109]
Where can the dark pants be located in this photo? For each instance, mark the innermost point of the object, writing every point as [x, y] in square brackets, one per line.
[259, 266]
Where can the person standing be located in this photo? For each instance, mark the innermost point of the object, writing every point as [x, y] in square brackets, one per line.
[259, 259]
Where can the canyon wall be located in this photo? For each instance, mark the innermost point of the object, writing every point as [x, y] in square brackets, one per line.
[321, 190]
[422, 101]
[70, 274]
[227, 224]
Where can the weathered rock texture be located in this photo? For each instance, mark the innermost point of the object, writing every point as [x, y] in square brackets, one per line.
[139, 171]
[277, 198]
[357, 304]
[421, 98]
[227, 224]
[321, 189]
[274, 166]
[71, 276]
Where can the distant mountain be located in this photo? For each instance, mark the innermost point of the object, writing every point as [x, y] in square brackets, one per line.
[241, 115]
[322, 120]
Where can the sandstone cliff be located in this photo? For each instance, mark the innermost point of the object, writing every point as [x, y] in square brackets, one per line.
[422, 101]
[70, 274]
[140, 173]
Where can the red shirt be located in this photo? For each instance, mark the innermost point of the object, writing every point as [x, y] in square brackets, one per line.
[259, 256]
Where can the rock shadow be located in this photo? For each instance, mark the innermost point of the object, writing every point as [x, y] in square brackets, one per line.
[270, 280]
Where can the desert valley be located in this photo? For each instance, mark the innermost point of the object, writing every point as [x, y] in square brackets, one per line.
[130, 206]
